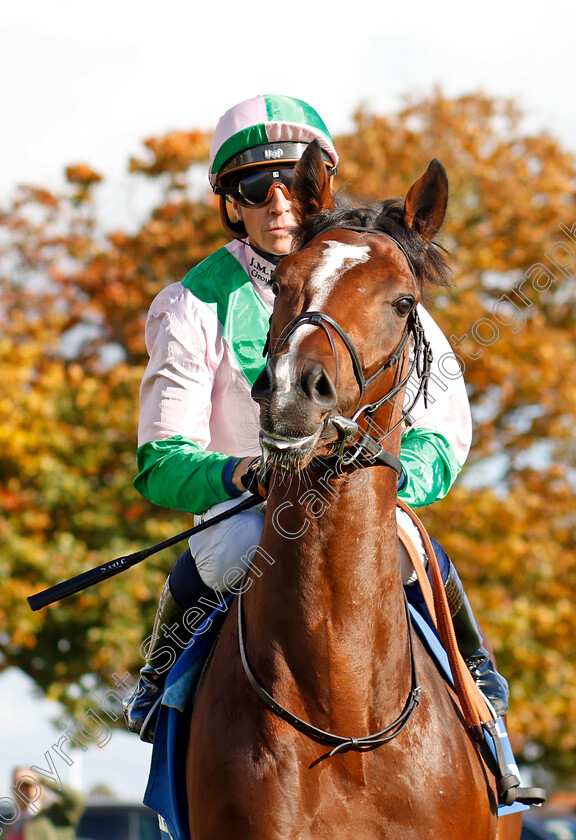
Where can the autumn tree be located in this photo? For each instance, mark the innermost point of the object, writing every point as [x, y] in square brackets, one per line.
[74, 299]
[73, 307]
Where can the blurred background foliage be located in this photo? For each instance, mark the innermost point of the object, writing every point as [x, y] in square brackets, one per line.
[74, 297]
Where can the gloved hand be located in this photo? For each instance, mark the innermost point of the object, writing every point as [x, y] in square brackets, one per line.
[254, 480]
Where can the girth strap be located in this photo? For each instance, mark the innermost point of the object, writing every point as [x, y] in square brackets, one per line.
[423, 581]
[474, 707]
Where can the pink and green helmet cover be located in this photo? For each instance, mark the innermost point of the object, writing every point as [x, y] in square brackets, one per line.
[267, 118]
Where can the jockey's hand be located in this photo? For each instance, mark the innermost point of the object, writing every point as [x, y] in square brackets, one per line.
[254, 480]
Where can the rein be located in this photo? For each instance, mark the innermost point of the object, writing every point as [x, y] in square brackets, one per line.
[340, 743]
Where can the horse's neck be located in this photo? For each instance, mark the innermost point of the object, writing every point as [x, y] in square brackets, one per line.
[328, 607]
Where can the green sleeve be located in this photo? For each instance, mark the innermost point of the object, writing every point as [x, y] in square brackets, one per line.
[430, 466]
[176, 473]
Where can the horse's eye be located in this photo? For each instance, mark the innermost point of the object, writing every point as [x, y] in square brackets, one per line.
[275, 288]
[403, 306]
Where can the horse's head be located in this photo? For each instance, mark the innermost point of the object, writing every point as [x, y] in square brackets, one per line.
[344, 310]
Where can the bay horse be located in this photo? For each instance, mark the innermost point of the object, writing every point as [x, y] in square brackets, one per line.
[320, 714]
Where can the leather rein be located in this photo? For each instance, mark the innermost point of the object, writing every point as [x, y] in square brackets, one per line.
[366, 451]
[340, 743]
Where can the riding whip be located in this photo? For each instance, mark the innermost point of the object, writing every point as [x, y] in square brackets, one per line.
[114, 567]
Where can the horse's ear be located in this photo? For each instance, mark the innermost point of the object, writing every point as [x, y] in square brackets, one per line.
[310, 192]
[425, 204]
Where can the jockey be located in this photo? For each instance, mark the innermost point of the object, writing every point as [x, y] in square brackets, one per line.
[198, 430]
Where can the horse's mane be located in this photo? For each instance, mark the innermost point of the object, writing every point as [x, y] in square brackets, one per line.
[429, 259]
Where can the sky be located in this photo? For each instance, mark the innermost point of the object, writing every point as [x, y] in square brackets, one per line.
[89, 82]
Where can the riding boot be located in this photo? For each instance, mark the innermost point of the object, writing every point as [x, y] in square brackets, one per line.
[141, 705]
[470, 643]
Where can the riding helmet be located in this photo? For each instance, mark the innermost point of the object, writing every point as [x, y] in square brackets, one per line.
[261, 132]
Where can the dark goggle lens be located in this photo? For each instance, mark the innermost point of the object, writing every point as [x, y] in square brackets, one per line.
[257, 187]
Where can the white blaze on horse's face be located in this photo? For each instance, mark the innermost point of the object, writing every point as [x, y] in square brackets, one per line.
[338, 258]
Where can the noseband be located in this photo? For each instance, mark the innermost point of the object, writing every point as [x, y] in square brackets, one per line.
[368, 446]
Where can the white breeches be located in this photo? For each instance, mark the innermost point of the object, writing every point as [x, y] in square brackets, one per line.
[227, 545]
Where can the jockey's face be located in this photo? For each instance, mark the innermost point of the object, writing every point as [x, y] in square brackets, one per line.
[269, 225]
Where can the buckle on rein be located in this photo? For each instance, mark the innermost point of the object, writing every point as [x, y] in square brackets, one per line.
[366, 446]
[350, 429]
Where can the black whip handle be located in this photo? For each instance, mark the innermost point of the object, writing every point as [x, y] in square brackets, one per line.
[114, 567]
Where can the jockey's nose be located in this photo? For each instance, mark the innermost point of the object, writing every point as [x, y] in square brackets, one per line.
[279, 200]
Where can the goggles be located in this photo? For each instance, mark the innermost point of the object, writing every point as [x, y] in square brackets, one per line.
[256, 188]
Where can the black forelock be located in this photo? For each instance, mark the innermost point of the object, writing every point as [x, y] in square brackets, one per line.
[430, 260]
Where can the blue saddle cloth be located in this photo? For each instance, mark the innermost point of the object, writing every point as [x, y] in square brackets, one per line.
[166, 789]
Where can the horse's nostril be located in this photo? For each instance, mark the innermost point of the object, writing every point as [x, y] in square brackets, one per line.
[323, 387]
[263, 385]
[317, 385]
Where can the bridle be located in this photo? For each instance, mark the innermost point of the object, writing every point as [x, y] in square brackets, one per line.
[366, 448]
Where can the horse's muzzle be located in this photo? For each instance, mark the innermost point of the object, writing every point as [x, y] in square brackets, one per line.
[312, 383]
[295, 403]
